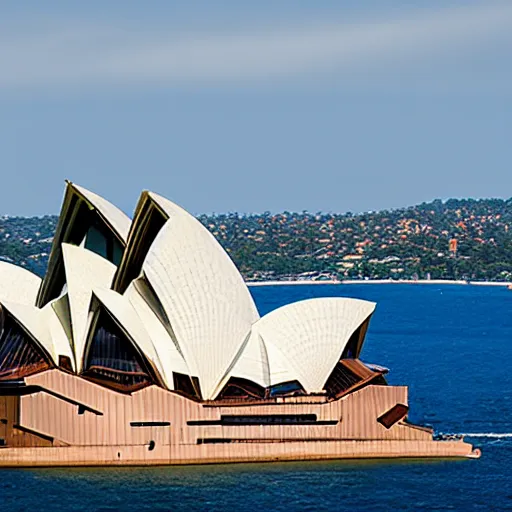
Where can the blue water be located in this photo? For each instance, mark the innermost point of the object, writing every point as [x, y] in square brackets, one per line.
[451, 344]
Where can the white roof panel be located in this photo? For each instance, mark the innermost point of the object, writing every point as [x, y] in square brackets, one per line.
[252, 363]
[170, 208]
[61, 344]
[123, 311]
[304, 340]
[209, 307]
[85, 271]
[119, 221]
[33, 320]
[170, 357]
[17, 284]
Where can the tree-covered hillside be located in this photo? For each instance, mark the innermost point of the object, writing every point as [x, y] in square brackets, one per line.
[405, 243]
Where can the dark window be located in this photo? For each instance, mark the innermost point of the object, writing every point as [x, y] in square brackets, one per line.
[80, 222]
[100, 240]
[113, 359]
[350, 351]
[355, 342]
[238, 388]
[271, 419]
[117, 252]
[226, 440]
[186, 385]
[65, 363]
[266, 419]
[96, 242]
[19, 354]
[340, 380]
[150, 424]
[287, 389]
[215, 440]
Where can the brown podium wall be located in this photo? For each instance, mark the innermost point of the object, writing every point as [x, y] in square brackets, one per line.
[74, 421]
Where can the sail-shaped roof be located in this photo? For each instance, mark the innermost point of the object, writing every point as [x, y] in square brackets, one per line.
[159, 331]
[57, 330]
[33, 322]
[177, 297]
[251, 363]
[89, 219]
[303, 340]
[118, 221]
[124, 313]
[151, 214]
[17, 284]
[209, 307]
[85, 271]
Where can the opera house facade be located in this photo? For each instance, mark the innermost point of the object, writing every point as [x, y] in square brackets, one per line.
[142, 345]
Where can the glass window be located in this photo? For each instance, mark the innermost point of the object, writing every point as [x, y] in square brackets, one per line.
[96, 242]
[113, 359]
[117, 252]
[287, 388]
[19, 355]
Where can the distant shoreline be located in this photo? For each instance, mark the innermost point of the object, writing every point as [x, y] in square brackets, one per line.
[381, 281]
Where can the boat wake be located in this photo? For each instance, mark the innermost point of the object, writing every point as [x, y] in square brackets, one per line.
[490, 435]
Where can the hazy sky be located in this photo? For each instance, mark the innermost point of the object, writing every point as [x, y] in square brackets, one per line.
[253, 106]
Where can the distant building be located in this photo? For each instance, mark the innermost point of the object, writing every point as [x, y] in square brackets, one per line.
[453, 247]
[352, 257]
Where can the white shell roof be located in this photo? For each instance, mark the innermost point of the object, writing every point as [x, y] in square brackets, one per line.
[305, 340]
[17, 284]
[209, 307]
[251, 363]
[170, 357]
[170, 208]
[124, 313]
[279, 368]
[32, 319]
[209, 327]
[134, 251]
[118, 220]
[61, 344]
[60, 306]
[85, 271]
[114, 218]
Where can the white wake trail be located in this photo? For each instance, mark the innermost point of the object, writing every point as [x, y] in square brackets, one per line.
[493, 435]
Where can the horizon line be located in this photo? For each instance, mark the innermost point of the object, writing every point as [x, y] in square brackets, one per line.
[302, 212]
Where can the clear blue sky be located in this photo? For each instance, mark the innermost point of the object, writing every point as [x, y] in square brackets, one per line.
[253, 106]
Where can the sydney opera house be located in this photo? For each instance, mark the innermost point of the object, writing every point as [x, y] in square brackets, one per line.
[142, 345]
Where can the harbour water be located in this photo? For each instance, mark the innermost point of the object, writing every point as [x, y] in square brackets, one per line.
[452, 345]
